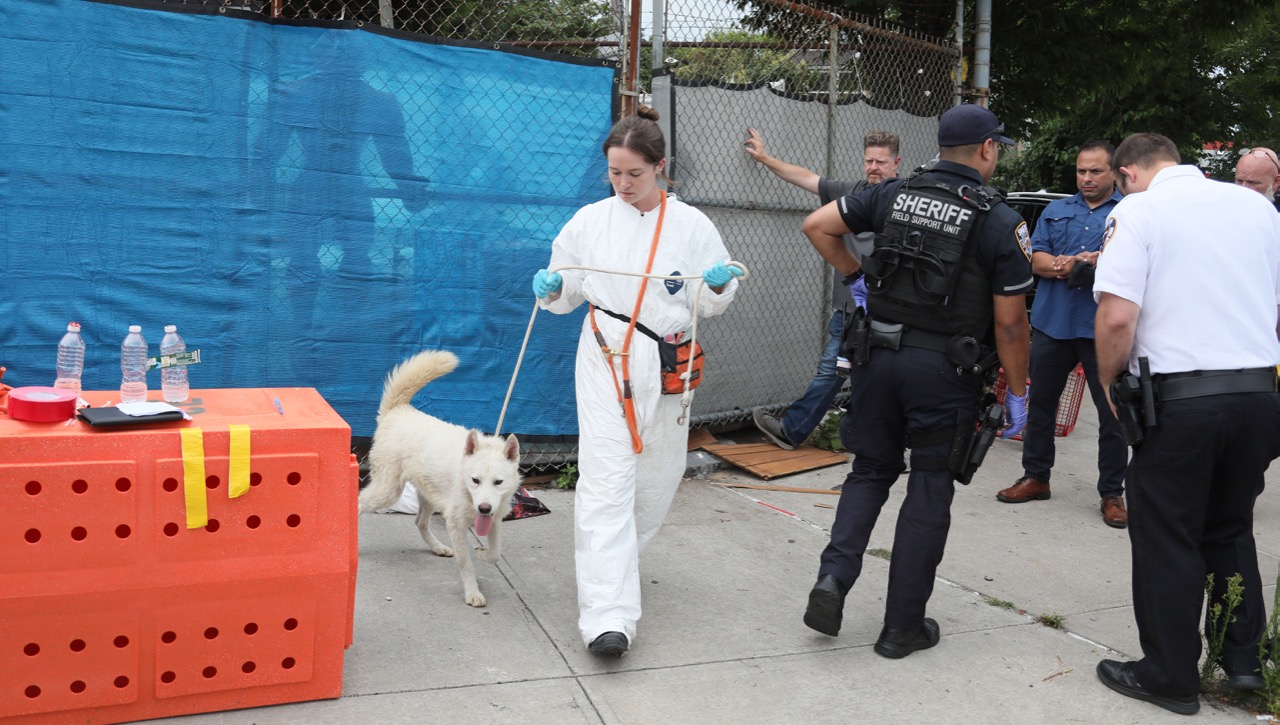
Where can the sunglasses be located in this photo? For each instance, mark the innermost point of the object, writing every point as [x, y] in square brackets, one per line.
[1264, 153]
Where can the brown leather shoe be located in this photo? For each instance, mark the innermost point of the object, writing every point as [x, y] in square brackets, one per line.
[1113, 512]
[1027, 488]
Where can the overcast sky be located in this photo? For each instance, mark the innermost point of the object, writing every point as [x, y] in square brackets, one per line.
[683, 15]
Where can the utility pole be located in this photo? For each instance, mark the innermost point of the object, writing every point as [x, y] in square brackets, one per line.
[982, 55]
[958, 83]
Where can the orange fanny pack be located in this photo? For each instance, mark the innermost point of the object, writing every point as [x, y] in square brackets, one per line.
[678, 359]
[675, 358]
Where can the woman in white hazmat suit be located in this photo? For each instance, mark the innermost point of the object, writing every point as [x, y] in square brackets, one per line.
[622, 496]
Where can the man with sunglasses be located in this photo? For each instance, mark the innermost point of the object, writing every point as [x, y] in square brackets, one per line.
[950, 259]
[1258, 169]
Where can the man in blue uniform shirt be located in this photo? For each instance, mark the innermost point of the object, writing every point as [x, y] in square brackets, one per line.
[950, 259]
[1064, 251]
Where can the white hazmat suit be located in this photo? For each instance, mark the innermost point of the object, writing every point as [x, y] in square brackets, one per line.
[622, 497]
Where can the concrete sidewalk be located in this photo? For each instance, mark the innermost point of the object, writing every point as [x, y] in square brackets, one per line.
[722, 641]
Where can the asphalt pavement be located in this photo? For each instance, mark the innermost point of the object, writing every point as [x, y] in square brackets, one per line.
[722, 641]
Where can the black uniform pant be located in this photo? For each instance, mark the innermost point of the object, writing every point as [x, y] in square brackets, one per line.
[1192, 484]
[1052, 361]
[914, 391]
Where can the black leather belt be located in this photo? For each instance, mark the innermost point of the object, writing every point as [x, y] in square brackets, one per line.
[1200, 383]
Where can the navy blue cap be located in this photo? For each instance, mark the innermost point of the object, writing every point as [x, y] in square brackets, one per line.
[970, 124]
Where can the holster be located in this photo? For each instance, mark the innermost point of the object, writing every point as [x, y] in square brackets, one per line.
[970, 446]
[856, 343]
[1126, 395]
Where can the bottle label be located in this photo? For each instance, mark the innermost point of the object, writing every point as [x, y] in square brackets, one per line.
[190, 357]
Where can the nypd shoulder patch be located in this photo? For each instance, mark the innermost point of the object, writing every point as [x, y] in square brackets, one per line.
[1109, 231]
[1024, 239]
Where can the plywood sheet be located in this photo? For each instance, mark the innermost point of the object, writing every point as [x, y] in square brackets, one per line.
[769, 461]
[700, 438]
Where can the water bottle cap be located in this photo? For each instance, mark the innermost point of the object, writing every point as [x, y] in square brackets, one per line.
[170, 328]
[135, 328]
[73, 327]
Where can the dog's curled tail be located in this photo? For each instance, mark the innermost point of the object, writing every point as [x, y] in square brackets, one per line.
[412, 375]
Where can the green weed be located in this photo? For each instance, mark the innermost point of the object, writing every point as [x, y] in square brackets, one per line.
[1053, 621]
[1269, 653]
[827, 435]
[880, 553]
[1218, 619]
[568, 478]
[1001, 603]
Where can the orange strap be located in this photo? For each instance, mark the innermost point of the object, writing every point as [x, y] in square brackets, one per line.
[624, 386]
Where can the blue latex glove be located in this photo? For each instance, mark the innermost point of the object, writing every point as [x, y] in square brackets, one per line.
[859, 291]
[1015, 413]
[720, 274]
[544, 283]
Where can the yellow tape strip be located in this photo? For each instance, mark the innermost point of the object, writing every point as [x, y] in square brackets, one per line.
[239, 473]
[193, 478]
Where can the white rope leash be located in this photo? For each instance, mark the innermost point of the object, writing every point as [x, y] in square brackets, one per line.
[693, 329]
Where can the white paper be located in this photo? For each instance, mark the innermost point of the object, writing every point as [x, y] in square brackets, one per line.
[150, 407]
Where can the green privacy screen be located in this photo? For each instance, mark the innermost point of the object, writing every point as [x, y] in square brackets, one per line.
[309, 204]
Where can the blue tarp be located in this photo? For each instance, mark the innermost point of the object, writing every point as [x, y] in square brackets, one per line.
[309, 205]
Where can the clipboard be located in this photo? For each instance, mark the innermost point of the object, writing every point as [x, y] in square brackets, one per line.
[111, 416]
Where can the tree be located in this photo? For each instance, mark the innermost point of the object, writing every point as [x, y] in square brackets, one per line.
[747, 64]
[1067, 72]
[494, 20]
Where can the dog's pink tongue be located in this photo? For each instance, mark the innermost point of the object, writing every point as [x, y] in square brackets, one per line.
[484, 522]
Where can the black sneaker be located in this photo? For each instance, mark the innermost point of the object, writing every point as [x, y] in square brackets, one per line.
[771, 426]
[609, 644]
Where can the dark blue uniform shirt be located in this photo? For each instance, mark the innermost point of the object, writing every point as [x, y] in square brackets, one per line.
[1004, 244]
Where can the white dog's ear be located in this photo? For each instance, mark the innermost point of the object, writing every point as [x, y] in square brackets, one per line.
[512, 449]
[473, 442]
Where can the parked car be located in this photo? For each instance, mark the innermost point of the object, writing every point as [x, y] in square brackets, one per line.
[1031, 203]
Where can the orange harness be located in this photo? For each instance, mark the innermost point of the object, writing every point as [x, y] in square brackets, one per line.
[624, 386]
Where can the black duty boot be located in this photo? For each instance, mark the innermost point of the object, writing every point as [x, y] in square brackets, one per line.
[898, 643]
[826, 606]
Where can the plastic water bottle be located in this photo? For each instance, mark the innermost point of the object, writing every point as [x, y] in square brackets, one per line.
[70, 359]
[133, 367]
[173, 380]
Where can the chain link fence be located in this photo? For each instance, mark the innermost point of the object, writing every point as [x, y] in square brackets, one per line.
[812, 81]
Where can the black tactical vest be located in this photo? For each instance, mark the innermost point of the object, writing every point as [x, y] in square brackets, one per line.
[924, 271]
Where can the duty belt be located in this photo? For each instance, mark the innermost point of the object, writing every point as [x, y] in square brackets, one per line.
[894, 335]
[927, 339]
[1201, 383]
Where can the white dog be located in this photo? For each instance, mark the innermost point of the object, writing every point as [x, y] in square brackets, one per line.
[465, 475]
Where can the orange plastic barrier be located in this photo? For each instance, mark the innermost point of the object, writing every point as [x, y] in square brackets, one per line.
[114, 610]
[1068, 403]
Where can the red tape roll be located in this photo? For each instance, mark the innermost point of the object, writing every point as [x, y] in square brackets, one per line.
[42, 405]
